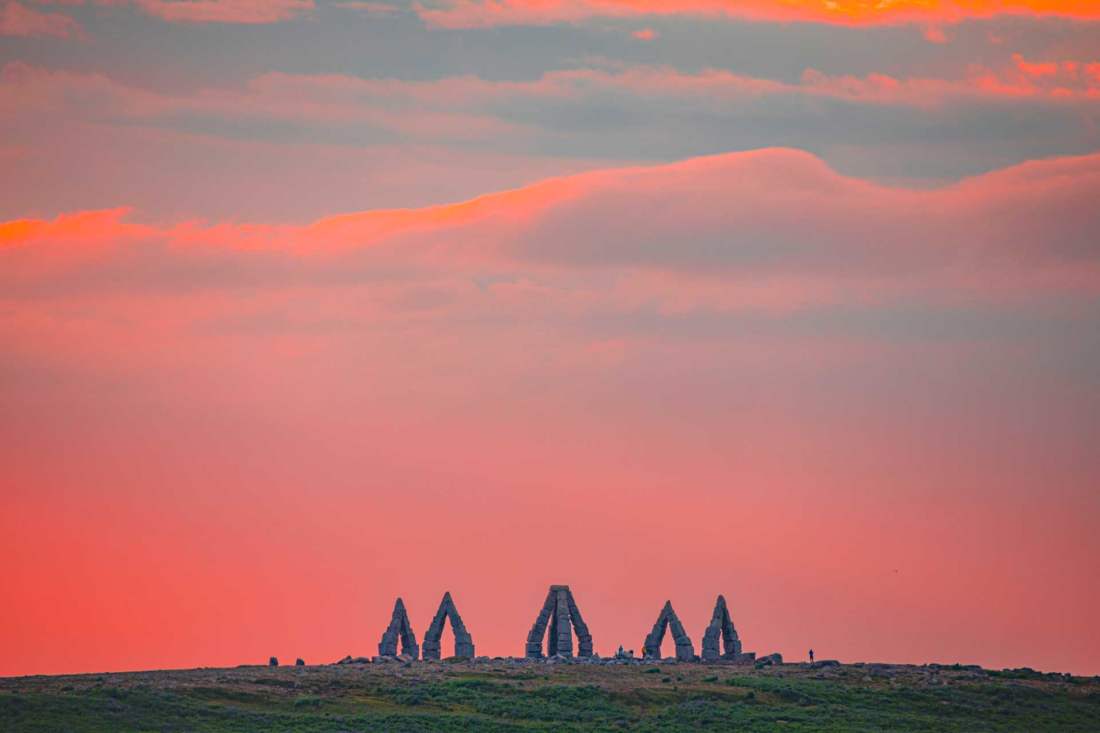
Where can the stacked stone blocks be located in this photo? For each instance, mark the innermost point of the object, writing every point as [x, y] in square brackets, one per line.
[558, 618]
[399, 630]
[721, 628]
[464, 643]
[561, 613]
[667, 619]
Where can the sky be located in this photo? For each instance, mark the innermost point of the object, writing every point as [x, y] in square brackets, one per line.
[308, 305]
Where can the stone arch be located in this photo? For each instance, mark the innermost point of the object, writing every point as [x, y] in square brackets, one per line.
[464, 643]
[721, 626]
[561, 613]
[685, 650]
[399, 629]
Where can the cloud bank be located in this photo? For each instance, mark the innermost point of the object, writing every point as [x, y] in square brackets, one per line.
[467, 134]
[755, 214]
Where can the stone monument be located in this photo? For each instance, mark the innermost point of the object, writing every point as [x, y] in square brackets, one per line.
[685, 650]
[560, 612]
[464, 643]
[721, 626]
[399, 628]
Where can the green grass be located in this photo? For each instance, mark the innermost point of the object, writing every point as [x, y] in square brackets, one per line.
[494, 696]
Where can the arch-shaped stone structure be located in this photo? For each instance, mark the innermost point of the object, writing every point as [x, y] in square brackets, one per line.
[464, 643]
[560, 612]
[399, 629]
[721, 626]
[685, 650]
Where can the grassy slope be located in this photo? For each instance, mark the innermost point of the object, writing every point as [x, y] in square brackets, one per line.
[495, 696]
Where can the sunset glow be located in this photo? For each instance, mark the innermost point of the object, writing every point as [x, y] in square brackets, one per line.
[472, 13]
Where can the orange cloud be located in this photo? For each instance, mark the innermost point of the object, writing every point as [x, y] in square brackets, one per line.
[1038, 70]
[475, 13]
[85, 226]
[1025, 79]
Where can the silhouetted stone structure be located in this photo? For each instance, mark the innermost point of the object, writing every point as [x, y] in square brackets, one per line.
[721, 626]
[685, 651]
[561, 613]
[464, 643]
[399, 628]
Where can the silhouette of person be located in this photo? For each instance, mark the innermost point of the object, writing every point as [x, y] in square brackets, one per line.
[811, 656]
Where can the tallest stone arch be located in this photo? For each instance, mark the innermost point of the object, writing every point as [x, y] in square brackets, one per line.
[561, 614]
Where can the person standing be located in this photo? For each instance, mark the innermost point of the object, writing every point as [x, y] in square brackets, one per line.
[811, 656]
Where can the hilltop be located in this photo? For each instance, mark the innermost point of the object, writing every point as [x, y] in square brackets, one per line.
[513, 695]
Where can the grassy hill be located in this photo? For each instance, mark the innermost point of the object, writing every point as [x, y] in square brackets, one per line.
[513, 696]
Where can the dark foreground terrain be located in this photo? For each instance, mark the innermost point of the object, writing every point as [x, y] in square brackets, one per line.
[505, 696]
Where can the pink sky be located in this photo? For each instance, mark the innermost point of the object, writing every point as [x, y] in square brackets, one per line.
[244, 440]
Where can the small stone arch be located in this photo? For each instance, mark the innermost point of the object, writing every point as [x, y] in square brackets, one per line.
[685, 650]
[721, 626]
[464, 643]
[399, 629]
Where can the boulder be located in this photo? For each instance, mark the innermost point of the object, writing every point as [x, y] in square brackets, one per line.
[769, 660]
[824, 663]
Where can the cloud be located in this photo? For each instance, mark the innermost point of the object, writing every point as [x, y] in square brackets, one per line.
[395, 141]
[1047, 79]
[483, 13]
[250, 12]
[935, 34]
[19, 20]
[777, 214]
[471, 108]
[369, 7]
[378, 107]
